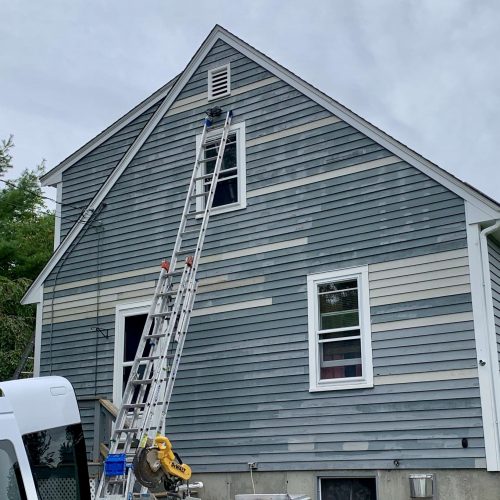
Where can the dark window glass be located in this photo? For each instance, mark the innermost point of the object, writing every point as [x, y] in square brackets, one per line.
[11, 482]
[134, 326]
[348, 489]
[133, 331]
[341, 359]
[338, 309]
[59, 463]
[227, 185]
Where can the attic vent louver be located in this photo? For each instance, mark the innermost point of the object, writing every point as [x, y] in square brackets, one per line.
[219, 82]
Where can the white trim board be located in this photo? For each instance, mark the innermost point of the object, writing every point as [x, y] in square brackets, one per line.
[487, 360]
[481, 202]
[121, 312]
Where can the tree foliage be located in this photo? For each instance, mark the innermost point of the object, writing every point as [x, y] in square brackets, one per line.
[26, 239]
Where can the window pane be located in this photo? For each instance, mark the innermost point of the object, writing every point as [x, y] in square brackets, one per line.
[11, 482]
[133, 331]
[338, 309]
[337, 285]
[59, 463]
[348, 489]
[229, 159]
[227, 190]
[340, 359]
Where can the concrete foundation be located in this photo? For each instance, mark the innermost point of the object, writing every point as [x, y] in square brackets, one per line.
[391, 485]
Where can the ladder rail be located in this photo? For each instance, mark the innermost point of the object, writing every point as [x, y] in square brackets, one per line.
[146, 398]
[199, 246]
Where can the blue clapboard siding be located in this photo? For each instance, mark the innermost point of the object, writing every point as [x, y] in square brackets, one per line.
[494, 258]
[83, 180]
[242, 391]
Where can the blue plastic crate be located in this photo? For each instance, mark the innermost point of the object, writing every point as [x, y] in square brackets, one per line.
[115, 464]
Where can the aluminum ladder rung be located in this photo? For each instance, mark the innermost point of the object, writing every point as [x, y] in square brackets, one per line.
[167, 294]
[155, 336]
[143, 381]
[152, 358]
[175, 272]
[200, 195]
[125, 430]
[197, 212]
[205, 176]
[186, 250]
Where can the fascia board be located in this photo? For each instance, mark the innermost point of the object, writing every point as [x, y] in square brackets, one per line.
[433, 171]
[31, 294]
[54, 176]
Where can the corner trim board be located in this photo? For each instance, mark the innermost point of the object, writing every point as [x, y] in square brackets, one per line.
[489, 381]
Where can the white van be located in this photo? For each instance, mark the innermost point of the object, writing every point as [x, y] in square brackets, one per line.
[42, 449]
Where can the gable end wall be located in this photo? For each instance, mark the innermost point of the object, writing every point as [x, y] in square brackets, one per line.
[321, 196]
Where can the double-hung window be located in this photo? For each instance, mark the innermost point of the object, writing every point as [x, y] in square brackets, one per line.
[339, 330]
[231, 186]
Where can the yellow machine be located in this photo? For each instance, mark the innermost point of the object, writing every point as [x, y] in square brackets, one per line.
[157, 465]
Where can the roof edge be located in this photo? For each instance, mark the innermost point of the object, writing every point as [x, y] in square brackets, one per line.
[32, 294]
[461, 188]
[53, 176]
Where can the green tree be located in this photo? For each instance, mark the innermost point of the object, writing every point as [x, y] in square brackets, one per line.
[26, 239]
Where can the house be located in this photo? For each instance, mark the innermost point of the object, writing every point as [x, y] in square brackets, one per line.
[346, 327]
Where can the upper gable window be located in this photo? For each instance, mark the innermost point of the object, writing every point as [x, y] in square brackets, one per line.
[339, 330]
[219, 82]
[231, 186]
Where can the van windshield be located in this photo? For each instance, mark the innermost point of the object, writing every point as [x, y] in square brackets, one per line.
[58, 463]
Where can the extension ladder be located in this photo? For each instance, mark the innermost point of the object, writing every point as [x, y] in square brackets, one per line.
[141, 415]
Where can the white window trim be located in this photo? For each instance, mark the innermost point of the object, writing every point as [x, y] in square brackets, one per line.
[315, 384]
[239, 129]
[226, 67]
[123, 311]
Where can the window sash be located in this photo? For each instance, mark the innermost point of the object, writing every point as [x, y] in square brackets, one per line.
[346, 340]
[233, 171]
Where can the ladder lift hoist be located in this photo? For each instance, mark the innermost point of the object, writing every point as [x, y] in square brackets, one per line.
[141, 462]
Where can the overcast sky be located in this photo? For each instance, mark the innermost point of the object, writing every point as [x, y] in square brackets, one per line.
[425, 71]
